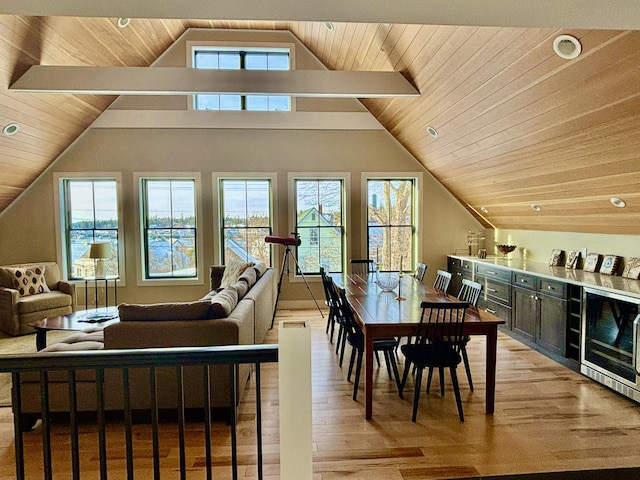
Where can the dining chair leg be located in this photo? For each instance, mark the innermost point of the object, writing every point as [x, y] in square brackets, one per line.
[441, 371]
[329, 319]
[351, 361]
[343, 345]
[394, 366]
[356, 382]
[416, 394]
[467, 368]
[387, 361]
[405, 374]
[456, 390]
[339, 340]
[429, 377]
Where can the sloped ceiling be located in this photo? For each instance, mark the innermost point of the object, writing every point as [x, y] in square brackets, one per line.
[517, 125]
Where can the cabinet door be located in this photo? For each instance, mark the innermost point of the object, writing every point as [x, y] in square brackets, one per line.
[552, 330]
[456, 280]
[524, 312]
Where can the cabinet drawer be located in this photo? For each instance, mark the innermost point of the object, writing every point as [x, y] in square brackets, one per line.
[493, 272]
[467, 268]
[498, 309]
[525, 281]
[454, 262]
[498, 290]
[553, 288]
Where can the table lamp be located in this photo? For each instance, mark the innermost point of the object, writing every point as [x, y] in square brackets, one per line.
[99, 251]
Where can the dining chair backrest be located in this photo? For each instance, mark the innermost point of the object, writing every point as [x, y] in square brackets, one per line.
[442, 280]
[421, 269]
[362, 267]
[442, 322]
[352, 328]
[470, 292]
[327, 284]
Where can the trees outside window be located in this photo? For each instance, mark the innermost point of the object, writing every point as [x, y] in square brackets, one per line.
[90, 209]
[390, 222]
[169, 228]
[319, 208]
[245, 206]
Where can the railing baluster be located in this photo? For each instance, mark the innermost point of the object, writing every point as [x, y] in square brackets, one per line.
[46, 424]
[154, 422]
[207, 420]
[18, 428]
[259, 421]
[183, 460]
[73, 424]
[127, 422]
[233, 414]
[102, 427]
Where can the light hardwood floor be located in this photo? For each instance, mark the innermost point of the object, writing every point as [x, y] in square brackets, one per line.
[547, 418]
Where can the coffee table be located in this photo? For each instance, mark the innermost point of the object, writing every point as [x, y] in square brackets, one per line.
[74, 321]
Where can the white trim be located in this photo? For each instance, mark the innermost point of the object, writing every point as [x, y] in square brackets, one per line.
[237, 120]
[215, 178]
[156, 282]
[418, 211]
[345, 177]
[59, 218]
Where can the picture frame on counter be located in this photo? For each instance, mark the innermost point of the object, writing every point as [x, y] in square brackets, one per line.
[610, 264]
[557, 257]
[632, 268]
[572, 259]
[592, 262]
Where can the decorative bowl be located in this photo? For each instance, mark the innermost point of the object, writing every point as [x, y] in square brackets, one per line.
[387, 281]
[505, 249]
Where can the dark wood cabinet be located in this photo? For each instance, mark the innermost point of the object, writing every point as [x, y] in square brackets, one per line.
[525, 308]
[459, 269]
[495, 296]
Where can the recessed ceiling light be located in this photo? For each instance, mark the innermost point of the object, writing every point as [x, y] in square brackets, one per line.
[617, 202]
[536, 207]
[484, 209]
[329, 26]
[567, 46]
[432, 131]
[10, 129]
[123, 22]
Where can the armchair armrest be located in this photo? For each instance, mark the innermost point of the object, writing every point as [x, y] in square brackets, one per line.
[70, 289]
[9, 316]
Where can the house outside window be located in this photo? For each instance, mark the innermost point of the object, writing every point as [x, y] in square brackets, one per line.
[319, 207]
[239, 58]
[391, 222]
[89, 209]
[169, 228]
[246, 218]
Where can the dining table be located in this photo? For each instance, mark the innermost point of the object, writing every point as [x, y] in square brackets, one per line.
[397, 313]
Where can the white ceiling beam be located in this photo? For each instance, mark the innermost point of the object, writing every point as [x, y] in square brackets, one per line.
[189, 81]
[607, 14]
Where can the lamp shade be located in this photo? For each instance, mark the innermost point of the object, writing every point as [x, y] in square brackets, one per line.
[100, 250]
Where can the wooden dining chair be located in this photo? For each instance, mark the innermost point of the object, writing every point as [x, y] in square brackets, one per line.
[437, 345]
[362, 267]
[442, 280]
[331, 302]
[421, 269]
[355, 337]
[469, 292]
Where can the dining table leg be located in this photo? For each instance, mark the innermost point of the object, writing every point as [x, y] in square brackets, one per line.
[492, 347]
[368, 374]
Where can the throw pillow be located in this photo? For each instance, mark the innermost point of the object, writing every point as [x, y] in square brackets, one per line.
[260, 268]
[241, 287]
[164, 311]
[224, 303]
[28, 280]
[249, 276]
[232, 272]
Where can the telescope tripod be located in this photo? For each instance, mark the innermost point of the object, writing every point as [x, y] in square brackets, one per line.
[285, 265]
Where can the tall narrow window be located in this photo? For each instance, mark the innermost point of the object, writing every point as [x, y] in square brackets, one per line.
[319, 210]
[169, 228]
[220, 58]
[390, 222]
[90, 209]
[246, 219]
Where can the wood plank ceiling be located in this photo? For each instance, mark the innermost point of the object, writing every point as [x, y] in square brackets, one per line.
[517, 125]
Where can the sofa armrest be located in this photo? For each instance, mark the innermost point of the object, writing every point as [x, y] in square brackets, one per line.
[70, 289]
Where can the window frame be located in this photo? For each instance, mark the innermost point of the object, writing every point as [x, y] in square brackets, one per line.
[142, 279]
[218, 217]
[345, 179]
[60, 182]
[416, 177]
[192, 46]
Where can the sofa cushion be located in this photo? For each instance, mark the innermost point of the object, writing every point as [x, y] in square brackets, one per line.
[44, 301]
[249, 276]
[260, 268]
[224, 302]
[232, 272]
[241, 287]
[164, 311]
[28, 280]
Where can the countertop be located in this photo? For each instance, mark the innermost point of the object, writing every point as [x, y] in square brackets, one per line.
[609, 283]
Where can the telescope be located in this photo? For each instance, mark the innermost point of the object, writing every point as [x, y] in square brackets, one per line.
[295, 240]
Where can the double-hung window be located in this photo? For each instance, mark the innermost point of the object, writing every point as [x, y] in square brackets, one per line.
[225, 58]
[391, 222]
[319, 207]
[245, 219]
[89, 208]
[169, 228]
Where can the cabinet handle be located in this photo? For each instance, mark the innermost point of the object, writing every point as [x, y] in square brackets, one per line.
[492, 272]
[492, 290]
[522, 280]
[492, 312]
[549, 287]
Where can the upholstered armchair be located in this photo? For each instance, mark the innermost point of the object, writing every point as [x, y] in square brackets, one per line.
[30, 292]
